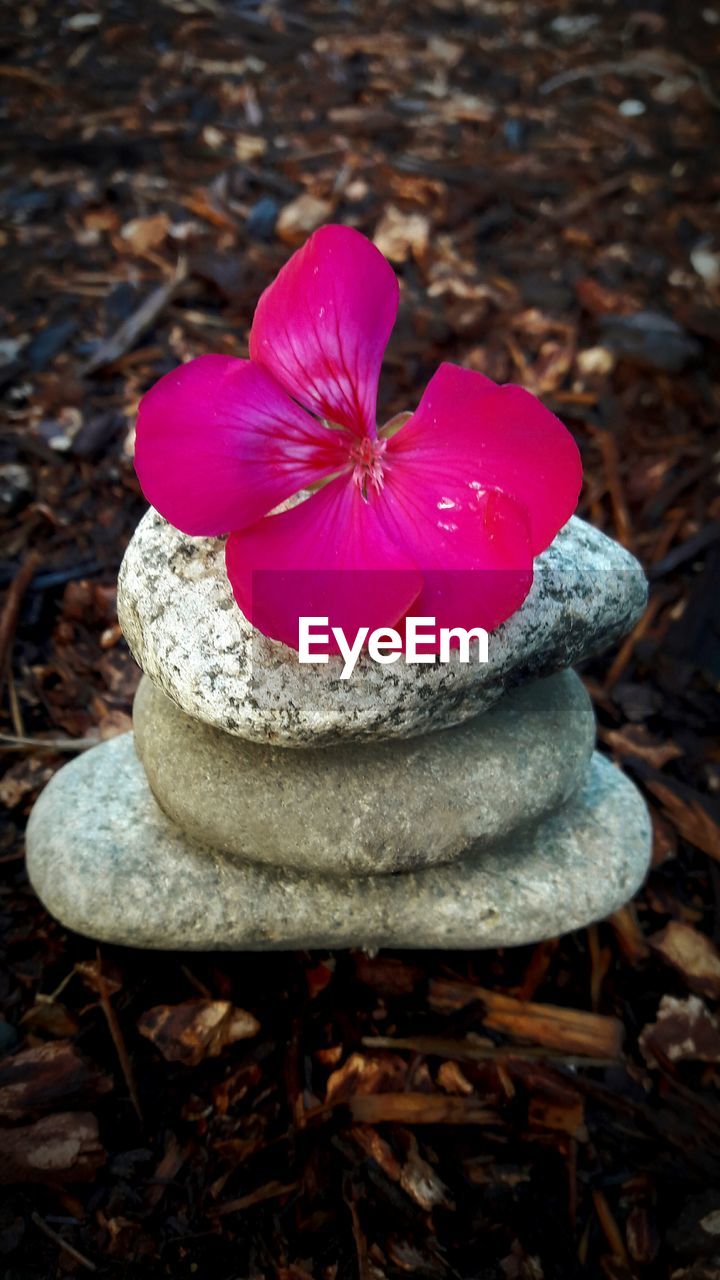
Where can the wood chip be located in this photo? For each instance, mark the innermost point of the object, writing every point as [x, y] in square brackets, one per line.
[418, 1108]
[683, 1029]
[196, 1029]
[301, 217]
[64, 1147]
[565, 1030]
[692, 954]
[39, 1079]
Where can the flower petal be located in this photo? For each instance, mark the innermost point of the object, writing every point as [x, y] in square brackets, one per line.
[322, 326]
[486, 437]
[329, 556]
[473, 548]
[219, 444]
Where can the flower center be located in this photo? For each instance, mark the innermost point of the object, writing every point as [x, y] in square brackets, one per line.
[367, 454]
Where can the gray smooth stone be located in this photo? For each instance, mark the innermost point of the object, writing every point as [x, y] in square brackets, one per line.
[364, 808]
[107, 862]
[183, 626]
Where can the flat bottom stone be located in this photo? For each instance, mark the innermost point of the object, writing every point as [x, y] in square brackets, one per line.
[106, 861]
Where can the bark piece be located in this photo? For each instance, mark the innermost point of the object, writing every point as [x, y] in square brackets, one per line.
[684, 1029]
[37, 1079]
[196, 1029]
[692, 954]
[57, 1149]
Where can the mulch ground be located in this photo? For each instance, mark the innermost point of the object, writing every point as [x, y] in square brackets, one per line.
[544, 177]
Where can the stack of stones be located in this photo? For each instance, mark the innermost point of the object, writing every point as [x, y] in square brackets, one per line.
[261, 803]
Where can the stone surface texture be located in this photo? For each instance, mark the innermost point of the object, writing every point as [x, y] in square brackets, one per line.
[178, 613]
[107, 862]
[364, 808]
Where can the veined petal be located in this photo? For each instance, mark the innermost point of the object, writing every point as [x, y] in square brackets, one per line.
[329, 556]
[220, 444]
[322, 326]
[482, 437]
[472, 548]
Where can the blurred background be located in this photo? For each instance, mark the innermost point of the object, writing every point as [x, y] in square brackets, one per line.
[544, 179]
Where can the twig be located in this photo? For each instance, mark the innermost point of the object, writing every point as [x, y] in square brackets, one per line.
[271, 1191]
[63, 1244]
[611, 464]
[116, 1033]
[686, 551]
[11, 607]
[418, 1108]
[578, 204]
[645, 64]
[610, 1228]
[627, 648]
[15, 708]
[125, 338]
[13, 742]
[196, 983]
[31, 77]
[467, 1051]
[361, 1251]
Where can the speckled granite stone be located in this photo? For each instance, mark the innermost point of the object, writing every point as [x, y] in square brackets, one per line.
[177, 611]
[107, 862]
[368, 807]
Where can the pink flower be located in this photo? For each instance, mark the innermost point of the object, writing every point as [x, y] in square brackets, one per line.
[441, 518]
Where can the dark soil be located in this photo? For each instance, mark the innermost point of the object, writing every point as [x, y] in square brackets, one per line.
[545, 177]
